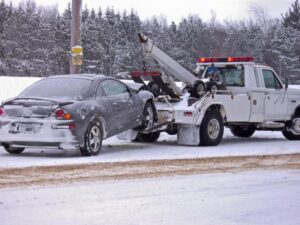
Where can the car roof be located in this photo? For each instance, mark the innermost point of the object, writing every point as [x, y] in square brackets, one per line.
[82, 76]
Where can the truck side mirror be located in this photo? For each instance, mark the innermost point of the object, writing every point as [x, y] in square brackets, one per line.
[286, 83]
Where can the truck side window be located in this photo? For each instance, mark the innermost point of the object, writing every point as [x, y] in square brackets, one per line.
[271, 81]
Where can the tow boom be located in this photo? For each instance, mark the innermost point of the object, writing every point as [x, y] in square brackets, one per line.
[169, 64]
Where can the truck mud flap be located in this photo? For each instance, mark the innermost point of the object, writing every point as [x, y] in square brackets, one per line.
[188, 135]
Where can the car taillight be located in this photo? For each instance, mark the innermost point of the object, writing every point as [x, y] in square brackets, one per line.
[62, 115]
[1, 111]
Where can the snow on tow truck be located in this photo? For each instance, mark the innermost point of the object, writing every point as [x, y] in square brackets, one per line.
[233, 92]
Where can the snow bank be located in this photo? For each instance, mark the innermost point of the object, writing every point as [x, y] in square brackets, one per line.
[12, 86]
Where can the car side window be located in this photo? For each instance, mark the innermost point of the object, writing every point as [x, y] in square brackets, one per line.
[112, 87]
[271, 81]
[99, 92]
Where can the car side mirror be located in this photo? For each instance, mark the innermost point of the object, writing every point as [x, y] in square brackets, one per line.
[286, 83]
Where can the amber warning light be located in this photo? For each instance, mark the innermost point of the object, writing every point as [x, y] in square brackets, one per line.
[228, 59]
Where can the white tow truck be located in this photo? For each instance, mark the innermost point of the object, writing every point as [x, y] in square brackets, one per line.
[252, 98]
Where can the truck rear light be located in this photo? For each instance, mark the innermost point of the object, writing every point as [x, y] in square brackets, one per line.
[1, 111]
[188, 114]
[72, 126]
[62, 115]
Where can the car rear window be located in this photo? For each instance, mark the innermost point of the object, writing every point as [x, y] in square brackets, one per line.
[60, 87]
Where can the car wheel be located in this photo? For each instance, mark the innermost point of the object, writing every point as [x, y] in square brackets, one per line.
[149, 116]
[13, 150]
[242, 131]
[293, 133]
[151, 137]
[211, 129]
[92, 139]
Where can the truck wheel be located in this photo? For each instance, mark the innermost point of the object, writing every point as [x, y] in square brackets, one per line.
[293, 133]
[13, 150]
[92, 139]
[198, 89]
[211, 129]
[242, 131]
[212, 87]
[151, 137]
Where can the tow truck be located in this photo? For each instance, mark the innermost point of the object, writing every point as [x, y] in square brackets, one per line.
[252, 98]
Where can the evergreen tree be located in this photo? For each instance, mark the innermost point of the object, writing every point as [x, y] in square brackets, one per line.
[292, 17]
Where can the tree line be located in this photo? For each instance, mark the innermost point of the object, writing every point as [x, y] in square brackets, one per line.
[35, 41]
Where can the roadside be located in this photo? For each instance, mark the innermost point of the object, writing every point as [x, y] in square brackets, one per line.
[95, 172]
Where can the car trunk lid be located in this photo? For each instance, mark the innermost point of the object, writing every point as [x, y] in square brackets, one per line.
[32, 107]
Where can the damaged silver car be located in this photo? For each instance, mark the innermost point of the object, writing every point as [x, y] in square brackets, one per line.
[73, 111]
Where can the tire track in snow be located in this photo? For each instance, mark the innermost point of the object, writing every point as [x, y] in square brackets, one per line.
[65, 174]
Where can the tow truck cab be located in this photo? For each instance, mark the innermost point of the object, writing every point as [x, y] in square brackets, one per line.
[257, 93]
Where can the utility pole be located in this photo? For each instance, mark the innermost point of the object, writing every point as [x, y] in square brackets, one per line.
[76, 49]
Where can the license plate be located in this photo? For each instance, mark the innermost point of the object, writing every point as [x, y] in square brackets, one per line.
[24, 128]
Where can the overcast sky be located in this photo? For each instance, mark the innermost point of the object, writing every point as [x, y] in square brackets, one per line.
[174, 10]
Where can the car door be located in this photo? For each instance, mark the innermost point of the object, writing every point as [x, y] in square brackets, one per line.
[120, 99]
[105, 108]
[276, 103]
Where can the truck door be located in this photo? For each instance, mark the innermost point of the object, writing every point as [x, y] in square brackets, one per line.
[276, 102]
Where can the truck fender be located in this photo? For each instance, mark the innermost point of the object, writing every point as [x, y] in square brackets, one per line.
[213, 106]
[296, 112]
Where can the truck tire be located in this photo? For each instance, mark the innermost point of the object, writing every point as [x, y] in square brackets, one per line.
[211, 129]
[198, 89]
[12, 150]
[151, 137]
[293, 133]
[212, 87]
[242, 131]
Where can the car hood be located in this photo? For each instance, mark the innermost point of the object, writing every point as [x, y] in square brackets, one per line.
[135, 86]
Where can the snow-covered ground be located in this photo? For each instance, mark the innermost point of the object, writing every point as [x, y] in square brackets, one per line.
[246, 198]
[114, 150]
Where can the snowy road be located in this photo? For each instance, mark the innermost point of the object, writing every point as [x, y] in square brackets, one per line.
[244, 198]
[114, 150]
[60, 175]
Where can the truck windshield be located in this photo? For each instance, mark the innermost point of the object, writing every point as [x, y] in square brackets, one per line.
[231, 76]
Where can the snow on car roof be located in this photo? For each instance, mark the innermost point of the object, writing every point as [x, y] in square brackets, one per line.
[81, 76]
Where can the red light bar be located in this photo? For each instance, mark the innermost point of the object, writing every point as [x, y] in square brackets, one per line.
[228, 59]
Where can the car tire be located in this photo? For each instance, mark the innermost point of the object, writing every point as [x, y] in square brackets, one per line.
[242, 131]
[12, 150]
[92, 139]
[212, 87]
[150, 137]
[149, 115]
[293, 133]
[211, 129]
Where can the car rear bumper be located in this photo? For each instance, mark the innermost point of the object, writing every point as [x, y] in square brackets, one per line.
[47, 133]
